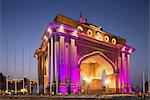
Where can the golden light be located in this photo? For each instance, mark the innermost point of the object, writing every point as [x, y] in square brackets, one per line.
[22, 90]
[106, 38]
[80, 28]
[113, 41]
[45, 38]
[6, 91]
[88, 80]
[99, 36]
[89, 33]
[49, 30]
[107, 82]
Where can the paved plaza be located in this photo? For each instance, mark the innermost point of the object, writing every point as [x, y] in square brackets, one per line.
[72, 97]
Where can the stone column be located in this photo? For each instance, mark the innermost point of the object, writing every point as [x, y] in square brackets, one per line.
[123, 74]
[67, 61]
[49, 63]
[75, 72]
[57, 61]
[52, 63]
[128, 74]
[124, 61]
[41, 73]
[117, 63]
[117, 80]
[62, 86]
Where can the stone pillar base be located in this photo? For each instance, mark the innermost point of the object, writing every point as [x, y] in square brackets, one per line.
[125, 90]
[63, 89]
[130, 89]
[74, 89]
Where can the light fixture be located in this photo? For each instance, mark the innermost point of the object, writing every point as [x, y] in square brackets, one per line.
[130, 50]
[49, 30]
[75, 33]
[89, 32]
[88, 80]
[61, 27]
[45, 38]
[107, 82]
[113, 41]
[106, 38]
[99, 36]
[124, 48]
[80, 28]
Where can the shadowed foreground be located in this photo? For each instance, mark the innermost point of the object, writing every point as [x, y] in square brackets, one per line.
[70, 97]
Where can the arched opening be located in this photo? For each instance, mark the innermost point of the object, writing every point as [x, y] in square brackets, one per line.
[91, 68]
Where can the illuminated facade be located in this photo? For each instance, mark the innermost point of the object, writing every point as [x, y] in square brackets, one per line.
[74, 54]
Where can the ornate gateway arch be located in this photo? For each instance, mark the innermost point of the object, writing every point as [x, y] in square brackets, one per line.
[73, 54]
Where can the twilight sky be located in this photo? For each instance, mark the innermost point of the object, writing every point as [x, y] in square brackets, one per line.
[24, 21]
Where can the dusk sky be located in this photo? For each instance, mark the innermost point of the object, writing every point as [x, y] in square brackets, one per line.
[24, 21]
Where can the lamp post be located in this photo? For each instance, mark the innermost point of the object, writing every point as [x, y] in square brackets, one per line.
[15, 69]
[23, 70]
[30, 72]
[7, 67]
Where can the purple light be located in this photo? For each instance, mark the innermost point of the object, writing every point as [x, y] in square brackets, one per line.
[63, 89]
[75, 89]
[130, 90]
[125, 90]
[130, 50]
[124, 48]
[49, 30]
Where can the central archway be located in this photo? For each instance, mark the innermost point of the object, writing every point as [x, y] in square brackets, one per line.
[91, 67]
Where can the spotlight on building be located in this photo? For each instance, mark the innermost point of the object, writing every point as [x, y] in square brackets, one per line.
[107, 82]
[75, 33]
[80, 28]
[61, 27]
[45, 38]
[49, 30]
[88, 80]
[124, 48]
[35, 55]
[130, 50]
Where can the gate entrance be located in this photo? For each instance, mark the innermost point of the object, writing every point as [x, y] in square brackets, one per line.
[91, 69]
[74, 54]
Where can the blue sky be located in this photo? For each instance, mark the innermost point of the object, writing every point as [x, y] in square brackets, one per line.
[24, 21]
